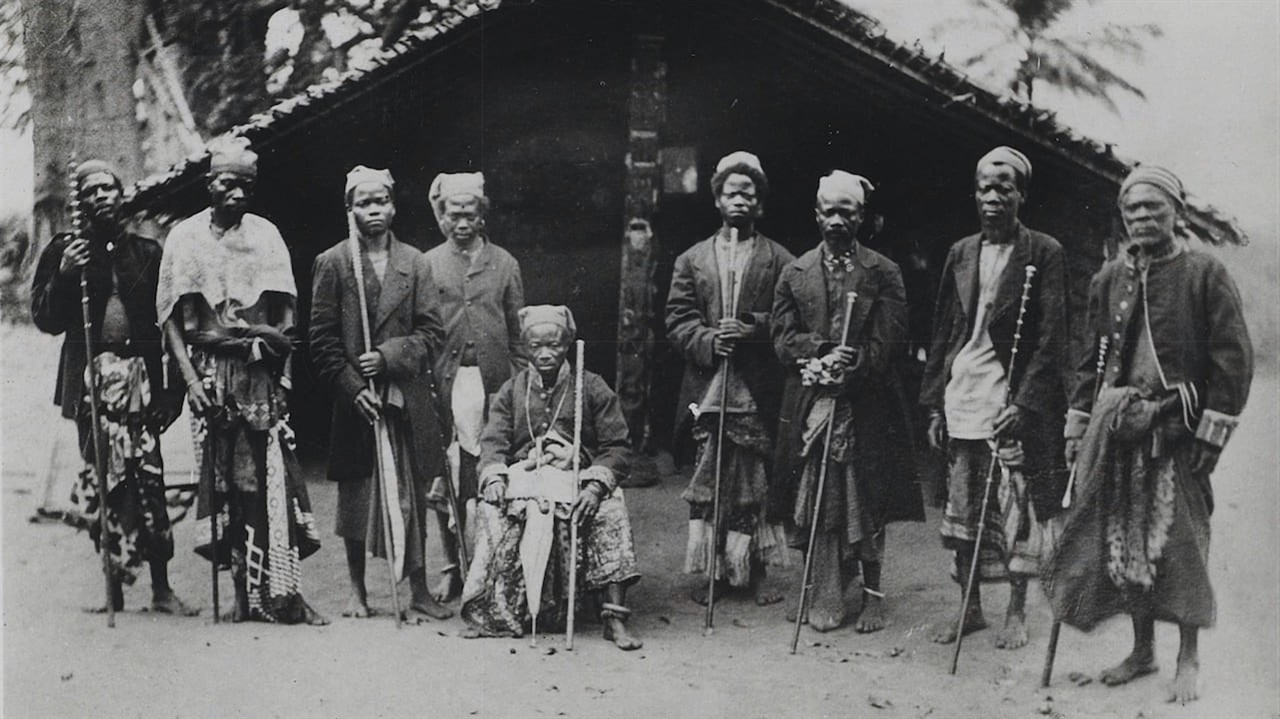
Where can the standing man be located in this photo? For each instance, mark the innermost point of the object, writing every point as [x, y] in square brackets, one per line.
[967, 380]
[227, 302]
[404, 326]
[870, 477]
[1146, 440]
[136, 400]
[718, 316]
[480, 293]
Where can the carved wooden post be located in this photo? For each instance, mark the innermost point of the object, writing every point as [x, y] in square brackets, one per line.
[646, 110]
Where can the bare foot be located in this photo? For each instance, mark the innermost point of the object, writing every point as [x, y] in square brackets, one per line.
[871, 619]
[357, 608]
[1014, 634]
[1183, 687]
[311, 616]
[615, 630]
[765, 596]
[1131, 668]
[429, 606]
[169, 603]
[825, 619]
[450, 587]
[699, 593]
[103, 609]
[945, 633]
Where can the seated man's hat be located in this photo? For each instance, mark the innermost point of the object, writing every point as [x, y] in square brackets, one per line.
[557, 315]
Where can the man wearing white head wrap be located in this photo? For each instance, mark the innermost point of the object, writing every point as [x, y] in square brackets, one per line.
[967, 378]
[227, 300]
[405, 331]
[526, 481]
[480, 291]
[852, 386]
[719, 307]
[1174, 380]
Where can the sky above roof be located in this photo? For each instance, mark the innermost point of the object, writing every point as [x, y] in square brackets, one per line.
[1212, 112]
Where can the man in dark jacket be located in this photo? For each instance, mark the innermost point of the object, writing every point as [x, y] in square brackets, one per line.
[718, 317]
[137, 402]
[480, 290]
[850, 384]
[1146, 435]
[982, 401]
[403, 324]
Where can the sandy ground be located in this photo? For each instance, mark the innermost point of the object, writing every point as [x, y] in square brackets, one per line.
[59, 661]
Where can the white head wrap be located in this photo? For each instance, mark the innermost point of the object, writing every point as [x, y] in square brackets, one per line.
[840, 182]
[448, 185]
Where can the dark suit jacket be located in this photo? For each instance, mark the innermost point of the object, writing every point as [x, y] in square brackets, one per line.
[55, 307]
[883, 449]
[693, 310]
[406, 329]
[1042, 350]
[479, 305]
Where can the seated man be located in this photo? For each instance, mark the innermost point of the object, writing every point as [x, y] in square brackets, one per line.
[522, 558]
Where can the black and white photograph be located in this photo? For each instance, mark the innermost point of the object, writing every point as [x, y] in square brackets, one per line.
[640, 358]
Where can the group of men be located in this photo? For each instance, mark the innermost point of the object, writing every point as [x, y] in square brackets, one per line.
[455, 406]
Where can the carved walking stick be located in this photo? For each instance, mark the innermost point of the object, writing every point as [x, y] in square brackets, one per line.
[1051, 653]
[99, 460]
[991, 471]
[379, 432]
[580, 349]
[850, 298]
[728, 307]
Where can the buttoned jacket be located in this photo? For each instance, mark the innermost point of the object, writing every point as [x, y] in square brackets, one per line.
[1197, 328]
[694, 310]
[479, 303]
[405, 329]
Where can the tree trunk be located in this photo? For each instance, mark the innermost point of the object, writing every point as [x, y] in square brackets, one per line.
[82, 63]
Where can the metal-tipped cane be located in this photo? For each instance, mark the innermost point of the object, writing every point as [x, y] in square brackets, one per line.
[991, 471]
[379, 431]
[728, 307]
[1052, 652]
[849, 300]
[580, 349]
[99, 460]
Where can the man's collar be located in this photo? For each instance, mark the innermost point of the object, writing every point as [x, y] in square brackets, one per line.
[561, 374]
[1014, 235]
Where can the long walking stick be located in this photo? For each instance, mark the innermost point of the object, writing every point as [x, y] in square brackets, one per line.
[991, 471]
[99, 461]
[849, 299]
[379, 432]
[1051, 653]
[207, 469]
[580, 350]
[728, 307]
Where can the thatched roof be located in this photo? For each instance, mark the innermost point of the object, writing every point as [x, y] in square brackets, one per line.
[910, 66]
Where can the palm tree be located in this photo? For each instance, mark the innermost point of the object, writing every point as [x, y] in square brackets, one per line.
[1032, 47]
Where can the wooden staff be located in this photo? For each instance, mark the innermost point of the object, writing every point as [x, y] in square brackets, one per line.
[1051, 653]
[580, 349]
[99, 460]
[849, 299]
[207, 469]
[991, 470]
[727, 309]
[379, 429]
